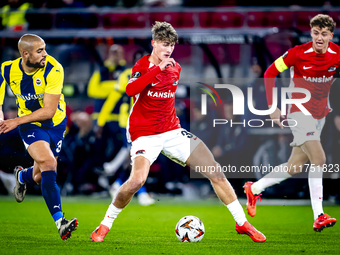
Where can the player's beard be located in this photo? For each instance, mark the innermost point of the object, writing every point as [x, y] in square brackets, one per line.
[34, 65]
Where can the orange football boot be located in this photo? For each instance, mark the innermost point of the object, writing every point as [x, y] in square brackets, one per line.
[251, 199]
[323, 221]
[252, 232]
[99, 233]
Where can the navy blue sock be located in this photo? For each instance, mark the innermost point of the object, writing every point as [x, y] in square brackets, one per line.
[51, 193]
[26, 175]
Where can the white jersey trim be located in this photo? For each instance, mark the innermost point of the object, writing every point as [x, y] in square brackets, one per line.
[331, 51]
[309, 50]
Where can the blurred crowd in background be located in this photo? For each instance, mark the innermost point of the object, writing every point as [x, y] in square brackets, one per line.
[158, 3]
[92, 160]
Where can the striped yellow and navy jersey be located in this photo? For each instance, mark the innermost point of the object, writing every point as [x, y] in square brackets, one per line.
[118, 103]
[29, 88]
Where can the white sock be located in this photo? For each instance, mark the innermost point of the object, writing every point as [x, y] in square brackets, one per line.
[111, 214]
[316, 190]
[58, 223]
[278, 175]
[236, 210]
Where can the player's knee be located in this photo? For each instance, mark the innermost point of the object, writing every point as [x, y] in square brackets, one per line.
[318, 160]
[217, 179]
[47, 164]
[136, 183]
[215, 173]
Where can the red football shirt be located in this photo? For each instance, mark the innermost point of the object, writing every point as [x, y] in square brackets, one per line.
[153, 91]
[309, 70]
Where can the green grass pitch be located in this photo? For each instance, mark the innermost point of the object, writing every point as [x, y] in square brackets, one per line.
[28, 228]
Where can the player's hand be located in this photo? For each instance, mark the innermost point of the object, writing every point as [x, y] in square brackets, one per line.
[166, 63]
[275, 116]
[8, 125]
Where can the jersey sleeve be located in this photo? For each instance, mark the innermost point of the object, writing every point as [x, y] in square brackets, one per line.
[2, 87]
[55, 80]
[281, 64]
[140, 78]
[286, 60]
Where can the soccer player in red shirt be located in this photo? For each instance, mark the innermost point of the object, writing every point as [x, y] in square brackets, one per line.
[313, 66]
[153, 127]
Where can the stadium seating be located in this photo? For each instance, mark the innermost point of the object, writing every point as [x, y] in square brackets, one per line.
[76, 20]
[177, 19]
[220, 19]
[39, 21]
[257, 19]
[280, 19]
[303, 18]
[336, 16]
[124, 20]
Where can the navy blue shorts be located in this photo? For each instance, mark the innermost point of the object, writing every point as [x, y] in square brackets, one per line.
[31, 133]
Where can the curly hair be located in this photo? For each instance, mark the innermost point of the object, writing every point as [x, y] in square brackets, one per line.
[163, 31]
[323, 20]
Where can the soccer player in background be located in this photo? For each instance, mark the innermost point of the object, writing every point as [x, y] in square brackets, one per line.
[153, 127]
[36, 80]
[313, 66]
[104, 80]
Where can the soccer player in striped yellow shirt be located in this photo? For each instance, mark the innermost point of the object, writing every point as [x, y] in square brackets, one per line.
[36, 80]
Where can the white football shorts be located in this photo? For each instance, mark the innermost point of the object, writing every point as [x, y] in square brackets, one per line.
[176, 144]
[307, 128]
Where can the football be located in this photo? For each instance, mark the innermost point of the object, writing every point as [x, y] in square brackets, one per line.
[190, 229]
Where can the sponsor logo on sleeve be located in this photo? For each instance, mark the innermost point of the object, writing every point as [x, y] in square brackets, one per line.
[136, 74]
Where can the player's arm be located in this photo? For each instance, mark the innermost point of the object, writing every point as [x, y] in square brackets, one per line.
[93, 84]
[46, 112]
[98, 88]
[136, 86]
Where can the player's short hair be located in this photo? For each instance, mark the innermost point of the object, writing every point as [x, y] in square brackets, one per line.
[163, 31]
[323, 20]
